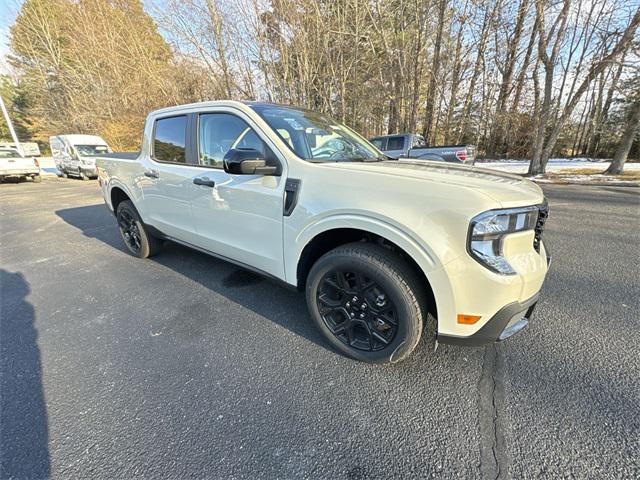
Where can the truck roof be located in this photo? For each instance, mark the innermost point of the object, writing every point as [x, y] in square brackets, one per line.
[398, 135]
[219, 103]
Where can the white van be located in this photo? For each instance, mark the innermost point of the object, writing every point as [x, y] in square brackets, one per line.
[76, 154]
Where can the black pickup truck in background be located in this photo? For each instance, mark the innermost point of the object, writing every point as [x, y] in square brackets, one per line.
[411, 145]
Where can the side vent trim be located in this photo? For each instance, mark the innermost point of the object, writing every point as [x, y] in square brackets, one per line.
[291, 191]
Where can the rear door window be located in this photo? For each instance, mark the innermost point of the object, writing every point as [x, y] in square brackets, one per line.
[395, 143]
[170, 139]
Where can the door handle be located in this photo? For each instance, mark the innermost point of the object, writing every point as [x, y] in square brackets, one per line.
[151, 174]
[205, 181]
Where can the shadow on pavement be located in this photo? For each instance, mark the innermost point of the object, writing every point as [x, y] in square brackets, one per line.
[268, 298]
[24, 431]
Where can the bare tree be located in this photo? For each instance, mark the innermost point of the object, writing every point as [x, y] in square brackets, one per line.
[630, 131]
[525, 78]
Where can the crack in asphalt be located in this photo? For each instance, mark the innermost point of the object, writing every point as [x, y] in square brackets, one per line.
[494, 460]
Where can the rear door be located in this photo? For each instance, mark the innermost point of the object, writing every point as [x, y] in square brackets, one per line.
[395, 146]
[166, 183]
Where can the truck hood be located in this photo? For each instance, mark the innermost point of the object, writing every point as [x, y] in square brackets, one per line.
[507, 189]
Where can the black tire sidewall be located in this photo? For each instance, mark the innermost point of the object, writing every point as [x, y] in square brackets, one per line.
[406, 313]
[144, 241]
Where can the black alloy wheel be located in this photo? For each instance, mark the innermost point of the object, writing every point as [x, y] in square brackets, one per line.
[129, 231]
[138, 240]
[367, 301]
[357, 310]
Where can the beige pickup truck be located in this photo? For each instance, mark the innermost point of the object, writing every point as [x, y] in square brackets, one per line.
[374, 243]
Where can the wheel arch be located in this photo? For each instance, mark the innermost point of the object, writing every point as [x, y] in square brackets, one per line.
[318, 241]
[117, 195]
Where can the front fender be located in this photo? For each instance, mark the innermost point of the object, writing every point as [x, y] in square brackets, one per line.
[417, 249]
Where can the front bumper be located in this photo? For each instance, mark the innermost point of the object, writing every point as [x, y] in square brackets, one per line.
[89, 170]
[508, 321]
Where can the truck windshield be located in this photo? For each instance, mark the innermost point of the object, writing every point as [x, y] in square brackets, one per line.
[316, 137]
[91, 150]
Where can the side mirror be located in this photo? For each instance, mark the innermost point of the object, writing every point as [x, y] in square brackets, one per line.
[247, 161]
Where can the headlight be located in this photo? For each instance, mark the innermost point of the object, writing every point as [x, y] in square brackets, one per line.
[488, 229]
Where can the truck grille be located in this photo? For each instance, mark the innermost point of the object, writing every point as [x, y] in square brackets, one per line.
[543, 213]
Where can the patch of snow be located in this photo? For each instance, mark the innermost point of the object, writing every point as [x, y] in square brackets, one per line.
[555, 165]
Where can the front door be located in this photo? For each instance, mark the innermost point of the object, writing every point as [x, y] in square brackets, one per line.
[236, 216]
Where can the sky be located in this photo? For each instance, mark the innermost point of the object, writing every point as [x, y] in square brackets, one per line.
[8, 11]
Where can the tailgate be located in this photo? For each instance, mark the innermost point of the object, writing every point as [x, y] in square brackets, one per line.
[18, 165]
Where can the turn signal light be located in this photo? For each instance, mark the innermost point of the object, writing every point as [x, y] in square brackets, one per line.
[468, 319]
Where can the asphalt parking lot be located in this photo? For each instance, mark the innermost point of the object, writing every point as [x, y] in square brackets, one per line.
[186, 366]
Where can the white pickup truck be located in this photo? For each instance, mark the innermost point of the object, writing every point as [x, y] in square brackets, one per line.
[15, 164]
[376, 244]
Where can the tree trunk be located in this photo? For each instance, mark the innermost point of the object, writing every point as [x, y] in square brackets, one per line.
[525, 67]
[620, 157]
[539, 162]
[592, 149]
[542, 148]
[434, 76]
[484, 37]
[455, 77]
[496, 136]
[417, 72]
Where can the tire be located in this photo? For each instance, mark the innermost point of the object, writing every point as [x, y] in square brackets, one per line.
[139, 242]
[37, 179]
[367, 302]
[83, 176]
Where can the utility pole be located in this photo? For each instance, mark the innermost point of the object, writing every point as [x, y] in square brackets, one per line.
[10, 125]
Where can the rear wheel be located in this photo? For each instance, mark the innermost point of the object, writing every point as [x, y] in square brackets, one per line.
[367, 302]
[137, 239]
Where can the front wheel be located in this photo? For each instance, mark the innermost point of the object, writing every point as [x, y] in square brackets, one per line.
[367, 301]
[138, 241]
